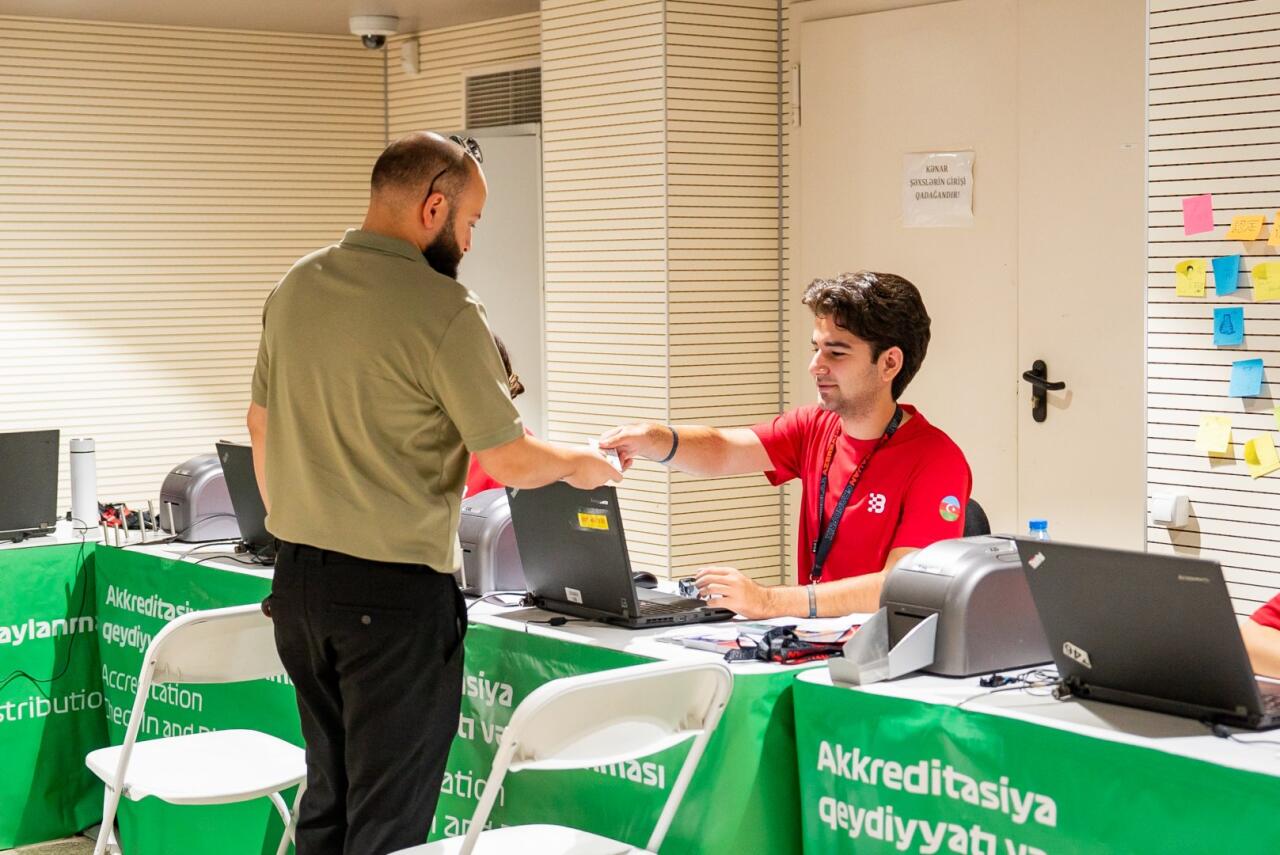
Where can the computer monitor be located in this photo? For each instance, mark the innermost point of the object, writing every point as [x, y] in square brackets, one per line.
[28, 483]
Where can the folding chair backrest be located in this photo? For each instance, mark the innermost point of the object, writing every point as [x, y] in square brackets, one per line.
[610, 716]
[216, 646]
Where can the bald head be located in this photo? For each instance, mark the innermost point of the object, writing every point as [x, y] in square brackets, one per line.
[407, 167]
[429, 191]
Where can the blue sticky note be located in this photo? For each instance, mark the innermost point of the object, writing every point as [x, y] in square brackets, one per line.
[1228, 326]
[1226, 274]
[1246, 378]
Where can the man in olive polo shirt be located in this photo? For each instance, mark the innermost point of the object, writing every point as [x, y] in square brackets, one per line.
[376, 375]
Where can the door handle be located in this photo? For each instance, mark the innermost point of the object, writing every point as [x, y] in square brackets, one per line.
[1038, 377]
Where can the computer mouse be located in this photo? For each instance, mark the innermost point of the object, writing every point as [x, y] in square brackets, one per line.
[644, 580]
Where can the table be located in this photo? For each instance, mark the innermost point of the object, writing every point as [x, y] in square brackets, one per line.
[1020, 774]
[743, 797]
[49, 721]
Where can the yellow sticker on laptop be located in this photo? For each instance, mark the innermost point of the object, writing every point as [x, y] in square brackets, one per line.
[592, 520]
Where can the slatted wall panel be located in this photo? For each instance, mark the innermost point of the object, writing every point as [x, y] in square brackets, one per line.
[723, 207]
[433, 99]
[605, 183]
[154, 184]
[1214, 127]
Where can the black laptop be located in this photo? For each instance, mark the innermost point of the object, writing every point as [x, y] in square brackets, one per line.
[246, 500]
[575, 560]
[28, 483]
[1146, 630]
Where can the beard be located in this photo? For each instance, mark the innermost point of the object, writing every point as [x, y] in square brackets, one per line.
[847, 407]
[443, 254]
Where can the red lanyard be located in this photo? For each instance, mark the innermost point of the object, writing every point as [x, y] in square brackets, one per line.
[822, 547]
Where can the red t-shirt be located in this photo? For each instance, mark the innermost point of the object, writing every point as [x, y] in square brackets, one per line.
[478, 479]
[911, 494]
[1269, 614]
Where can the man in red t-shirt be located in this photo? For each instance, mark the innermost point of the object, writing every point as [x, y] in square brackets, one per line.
[888, 482]
[1262, 638]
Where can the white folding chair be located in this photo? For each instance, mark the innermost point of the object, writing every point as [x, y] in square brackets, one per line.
[214, 646]
[596, 720]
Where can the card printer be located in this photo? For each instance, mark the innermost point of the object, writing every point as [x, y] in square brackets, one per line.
[955, 608]
[195, 504]
[490, 561]
[977, 588]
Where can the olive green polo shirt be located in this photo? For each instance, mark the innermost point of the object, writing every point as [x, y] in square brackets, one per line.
[378, 375]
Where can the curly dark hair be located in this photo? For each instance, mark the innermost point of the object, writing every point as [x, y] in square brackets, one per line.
[514, 386]
[882, 309]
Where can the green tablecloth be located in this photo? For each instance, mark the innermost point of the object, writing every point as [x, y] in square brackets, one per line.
[743, 798]
[888, 774]
[48, 723]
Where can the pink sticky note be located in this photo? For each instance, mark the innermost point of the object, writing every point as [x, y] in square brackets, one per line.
[1197, 214]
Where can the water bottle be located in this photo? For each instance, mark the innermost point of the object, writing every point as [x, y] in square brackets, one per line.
[1039, 529]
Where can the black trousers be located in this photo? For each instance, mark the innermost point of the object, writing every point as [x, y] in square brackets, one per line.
[374, 650]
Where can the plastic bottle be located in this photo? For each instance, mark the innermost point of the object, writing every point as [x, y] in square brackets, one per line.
[1039, 529]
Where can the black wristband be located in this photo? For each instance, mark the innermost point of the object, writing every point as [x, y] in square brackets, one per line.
[675, 444]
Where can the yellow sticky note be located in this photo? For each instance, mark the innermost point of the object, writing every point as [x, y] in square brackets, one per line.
[1191, 276]
[1214, 435]
[1246, 227]
[1266, 280]
[1260, 454]
[1274, 240]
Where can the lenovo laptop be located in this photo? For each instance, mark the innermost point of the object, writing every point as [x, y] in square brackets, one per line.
[28, 483]
[575, 560]
[1146, 630]
[246, 500]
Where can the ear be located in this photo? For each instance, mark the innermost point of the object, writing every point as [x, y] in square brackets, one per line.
[434, 211]
[891, 363]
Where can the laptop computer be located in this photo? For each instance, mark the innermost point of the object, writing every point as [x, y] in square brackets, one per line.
[246, 500]
[28, 483]
[575, 560]
[1146, 630]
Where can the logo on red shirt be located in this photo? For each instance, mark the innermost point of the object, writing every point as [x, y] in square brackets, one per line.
[949, 510]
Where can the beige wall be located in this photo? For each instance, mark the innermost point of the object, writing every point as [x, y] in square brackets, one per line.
[661, 174]
[432, 99]
[157, 183]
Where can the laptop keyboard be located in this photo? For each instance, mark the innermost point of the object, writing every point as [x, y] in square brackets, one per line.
[1271, 704]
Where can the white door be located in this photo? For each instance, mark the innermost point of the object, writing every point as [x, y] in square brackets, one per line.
[504, 265]
[1049, 97]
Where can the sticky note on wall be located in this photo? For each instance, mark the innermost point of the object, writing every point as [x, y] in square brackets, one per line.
[1246, 227]
[1266, 281]
[1226, 274]
[1190, 276]
[1228, 326]
[1214, 436]
[1260, 454]
[1274, 240]
[1197, 214]
[1246, 378]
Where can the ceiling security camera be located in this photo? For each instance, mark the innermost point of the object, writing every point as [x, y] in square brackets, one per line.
[374, 29]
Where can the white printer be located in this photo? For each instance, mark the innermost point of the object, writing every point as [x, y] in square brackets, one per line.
[977, 588]
[490, 560]
[195, 504]
[955, 608]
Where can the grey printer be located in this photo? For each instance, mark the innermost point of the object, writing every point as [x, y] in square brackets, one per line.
[195, 504]
[490, 561]
[955, 608]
